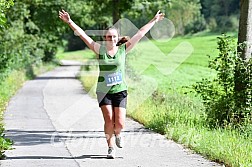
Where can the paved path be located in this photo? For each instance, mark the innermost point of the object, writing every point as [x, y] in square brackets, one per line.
[54, 123]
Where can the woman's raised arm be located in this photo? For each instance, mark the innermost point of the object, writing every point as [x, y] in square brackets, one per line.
[141, 33]
[63, 15]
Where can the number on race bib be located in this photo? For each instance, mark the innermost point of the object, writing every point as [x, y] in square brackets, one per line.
[113, 79]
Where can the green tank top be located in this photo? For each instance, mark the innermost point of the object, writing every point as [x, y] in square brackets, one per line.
[112, 71]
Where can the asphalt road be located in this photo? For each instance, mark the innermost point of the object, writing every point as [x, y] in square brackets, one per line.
[55, 123]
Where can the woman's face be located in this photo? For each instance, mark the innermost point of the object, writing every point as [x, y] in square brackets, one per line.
[111, 37]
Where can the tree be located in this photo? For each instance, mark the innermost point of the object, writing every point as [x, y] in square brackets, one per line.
[35, 31]
[98, 14]
[39, 23]
[186, 16]
[245, 28]
[109, 11]
[243, 74]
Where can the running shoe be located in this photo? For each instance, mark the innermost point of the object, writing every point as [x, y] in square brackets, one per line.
[111, 153]
[119, 141]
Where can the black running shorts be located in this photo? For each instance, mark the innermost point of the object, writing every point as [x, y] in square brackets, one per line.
[116, 100]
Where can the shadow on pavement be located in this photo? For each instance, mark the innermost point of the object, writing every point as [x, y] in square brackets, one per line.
[61, 157]
[29, 138]
[53, 77]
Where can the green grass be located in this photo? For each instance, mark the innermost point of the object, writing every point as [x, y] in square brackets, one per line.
[168, 110]
[81, 55]
[180, 118]
[190, 71]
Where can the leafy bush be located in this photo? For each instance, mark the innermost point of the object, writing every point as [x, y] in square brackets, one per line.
[242, 90]
[224, 105]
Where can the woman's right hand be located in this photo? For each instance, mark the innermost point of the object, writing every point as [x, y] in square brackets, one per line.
[63, 15]
[159, 16]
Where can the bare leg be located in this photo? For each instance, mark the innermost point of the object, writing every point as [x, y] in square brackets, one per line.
[107, 112]
[120, 115]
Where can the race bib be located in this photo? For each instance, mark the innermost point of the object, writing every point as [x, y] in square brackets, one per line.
[113, 79]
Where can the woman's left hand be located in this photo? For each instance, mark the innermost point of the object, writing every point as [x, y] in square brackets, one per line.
[159, 16]
[63, 15]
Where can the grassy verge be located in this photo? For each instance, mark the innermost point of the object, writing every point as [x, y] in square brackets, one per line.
[8, 87]
[180, 116]
[181, 119]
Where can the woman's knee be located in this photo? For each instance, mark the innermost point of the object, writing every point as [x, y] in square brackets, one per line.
[119, 125]
[109, 123]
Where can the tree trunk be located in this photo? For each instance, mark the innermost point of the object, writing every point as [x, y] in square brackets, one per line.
[242, 70]
[245, 28]
[116, 12]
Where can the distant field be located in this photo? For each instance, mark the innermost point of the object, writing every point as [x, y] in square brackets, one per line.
[80, 55]
[189, 71]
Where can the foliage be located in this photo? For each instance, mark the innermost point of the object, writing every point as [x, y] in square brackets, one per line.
[144, 10]
[42, 21]
[107, 9]
[4, 5]
[219, 95]
[26, 50]
[186, 16]
[243, 89]
[35, 38]
[81, 13]
[95, 15]
[5, 143]
[197, 25]
[223, 13]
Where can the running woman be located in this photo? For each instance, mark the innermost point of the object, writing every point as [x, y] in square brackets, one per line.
[111, 86]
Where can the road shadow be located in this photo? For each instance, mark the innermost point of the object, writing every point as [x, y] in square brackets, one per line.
[29, 138]
[53, 77]
[59, 157]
